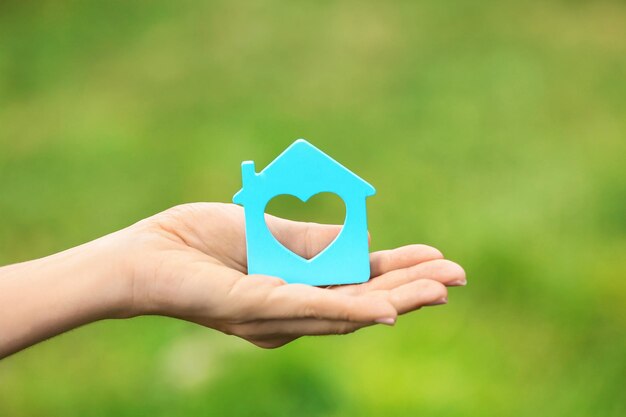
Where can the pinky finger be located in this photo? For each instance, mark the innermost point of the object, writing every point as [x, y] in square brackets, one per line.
[276, 329]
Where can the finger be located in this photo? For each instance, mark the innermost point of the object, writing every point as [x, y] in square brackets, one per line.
[304, 301]
[281, 329]
[441, 270]
[304, 239]
[417, 294]
[403, 257]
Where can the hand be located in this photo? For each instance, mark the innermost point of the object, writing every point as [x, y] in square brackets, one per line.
[189, 262]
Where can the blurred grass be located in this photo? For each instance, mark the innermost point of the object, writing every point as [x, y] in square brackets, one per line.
[495, 131]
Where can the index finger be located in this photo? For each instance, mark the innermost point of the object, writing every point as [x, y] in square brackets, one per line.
[403, 257]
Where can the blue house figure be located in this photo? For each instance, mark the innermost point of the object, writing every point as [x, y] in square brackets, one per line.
[303, 170]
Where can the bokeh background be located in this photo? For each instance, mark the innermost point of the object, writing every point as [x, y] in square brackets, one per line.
[495, 131]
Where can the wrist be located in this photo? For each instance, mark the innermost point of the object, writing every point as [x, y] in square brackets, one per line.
[103, 266]
[93, 278]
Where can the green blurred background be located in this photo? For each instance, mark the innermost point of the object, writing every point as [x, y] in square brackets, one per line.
[495, 131]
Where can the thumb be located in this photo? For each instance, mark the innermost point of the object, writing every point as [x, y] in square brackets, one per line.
[302, 238]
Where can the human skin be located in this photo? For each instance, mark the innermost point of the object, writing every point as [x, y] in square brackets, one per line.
[189, 262]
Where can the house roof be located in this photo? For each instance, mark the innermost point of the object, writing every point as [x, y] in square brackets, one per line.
[302, 169]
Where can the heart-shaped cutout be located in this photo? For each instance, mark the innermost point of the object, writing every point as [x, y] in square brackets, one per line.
[325, 207]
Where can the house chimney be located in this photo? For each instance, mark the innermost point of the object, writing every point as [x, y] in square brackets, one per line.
[247, 173]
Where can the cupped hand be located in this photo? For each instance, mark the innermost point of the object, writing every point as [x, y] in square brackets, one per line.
[189, 262]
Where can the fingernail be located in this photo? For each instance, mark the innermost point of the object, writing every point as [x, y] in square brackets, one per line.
[458, 283]
[389, 321]
[440, 301]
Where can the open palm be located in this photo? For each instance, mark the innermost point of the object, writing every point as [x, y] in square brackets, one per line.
[190, 262]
